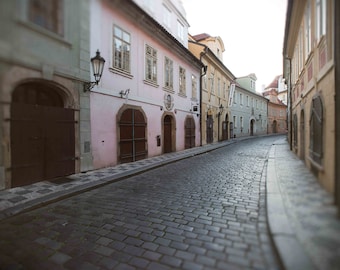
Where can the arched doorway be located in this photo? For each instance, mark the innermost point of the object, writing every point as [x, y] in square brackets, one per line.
[302, 135]
[210, 128]
[189, 133]
[225, 128]
[167, 129]
[42, 134]
[252, 124]
[274, 126]
[132, 126]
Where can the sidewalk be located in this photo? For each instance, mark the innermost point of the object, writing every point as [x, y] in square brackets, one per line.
[301, 215]
[19, 199]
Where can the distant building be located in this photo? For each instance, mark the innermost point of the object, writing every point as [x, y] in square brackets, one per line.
[248, 108]
[216, 82]
[277, 110]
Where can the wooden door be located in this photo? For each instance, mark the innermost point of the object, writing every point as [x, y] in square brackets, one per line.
[42, 143]
[189, 133]
[132, 136]
[167, 134]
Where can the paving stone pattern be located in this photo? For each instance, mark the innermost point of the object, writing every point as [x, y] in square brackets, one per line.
[204, 212]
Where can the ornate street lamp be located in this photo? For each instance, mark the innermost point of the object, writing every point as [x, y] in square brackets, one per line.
[97, 63]
[221, 109]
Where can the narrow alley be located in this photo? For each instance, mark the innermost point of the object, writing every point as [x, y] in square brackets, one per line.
[203, 212]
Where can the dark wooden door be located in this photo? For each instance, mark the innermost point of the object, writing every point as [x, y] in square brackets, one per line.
[42, 143]
[189, 133]
[167, 134]
[132, 136]
[224, 130]
[210, 129]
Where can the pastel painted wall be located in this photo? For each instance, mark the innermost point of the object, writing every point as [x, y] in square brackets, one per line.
[106, 100]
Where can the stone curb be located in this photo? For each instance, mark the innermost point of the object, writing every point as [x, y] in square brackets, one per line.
[59, 195]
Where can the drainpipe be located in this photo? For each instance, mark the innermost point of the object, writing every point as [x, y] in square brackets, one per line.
[336, 32]
[203, 73]
[290, 110]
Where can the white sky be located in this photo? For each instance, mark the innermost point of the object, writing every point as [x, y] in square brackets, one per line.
[252, 32]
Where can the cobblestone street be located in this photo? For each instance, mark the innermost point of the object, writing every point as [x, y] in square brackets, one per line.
[204, 212]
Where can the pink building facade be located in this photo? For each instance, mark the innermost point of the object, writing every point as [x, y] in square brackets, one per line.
[147, 102]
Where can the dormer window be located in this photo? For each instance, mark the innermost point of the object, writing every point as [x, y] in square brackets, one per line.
[166, 17]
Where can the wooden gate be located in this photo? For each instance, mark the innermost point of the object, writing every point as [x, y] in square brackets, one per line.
[189, 133]
[132, 136]
[42, 143]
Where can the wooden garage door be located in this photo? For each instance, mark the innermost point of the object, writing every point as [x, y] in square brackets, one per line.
[42, 143]
[132, 136]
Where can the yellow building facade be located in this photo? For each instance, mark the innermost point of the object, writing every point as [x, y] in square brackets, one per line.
[215, 84]
[309, 71]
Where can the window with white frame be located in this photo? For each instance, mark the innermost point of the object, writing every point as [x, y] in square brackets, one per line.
[219, 87]
[121, 49]
[168, 73]
[235, 120]
[320, 10]
[180, 31]
[149, 5]
[308, 29]
[193, 87]
[212, 79]
[224, 90]
[241, 99]
[150, 64]
[166, 16]
[205, 84]
[247, 98]
[47, 14]
[182, 81]
[241, 123]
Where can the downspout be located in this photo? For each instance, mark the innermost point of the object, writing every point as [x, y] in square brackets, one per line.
[203, 73]
[336, 32]
[290, 109]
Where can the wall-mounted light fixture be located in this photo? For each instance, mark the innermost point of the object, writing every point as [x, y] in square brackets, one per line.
[125, 93]
[220, 109]
[97, 63]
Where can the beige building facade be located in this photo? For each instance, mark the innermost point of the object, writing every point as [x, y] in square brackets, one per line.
[215, 82]
[309, 71]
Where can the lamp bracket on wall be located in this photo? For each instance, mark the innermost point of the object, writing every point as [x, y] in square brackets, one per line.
[125, 93]
[97, 63]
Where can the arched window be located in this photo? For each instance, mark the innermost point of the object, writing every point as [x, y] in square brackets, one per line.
[316, 130]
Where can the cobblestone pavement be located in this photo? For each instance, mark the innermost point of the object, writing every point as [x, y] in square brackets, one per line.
[204, 212]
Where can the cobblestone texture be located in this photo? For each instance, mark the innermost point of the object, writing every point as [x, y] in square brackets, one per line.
[204, 212]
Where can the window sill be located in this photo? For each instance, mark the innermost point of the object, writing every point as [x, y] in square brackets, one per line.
[121, 72]
[170, 90]
[316, 165]
[40, 30]
[151, 83]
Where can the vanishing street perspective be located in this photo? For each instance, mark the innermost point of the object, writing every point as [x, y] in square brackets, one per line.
[203, 212]
[169, 134]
